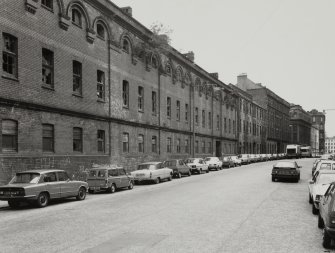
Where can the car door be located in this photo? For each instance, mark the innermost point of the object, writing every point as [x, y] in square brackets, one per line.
[124, 180]
[183, 167]
[52, 184]
[67, 187]
[326, 203]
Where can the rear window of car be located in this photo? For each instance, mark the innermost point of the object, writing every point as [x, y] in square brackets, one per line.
[285, 165]
[190, 161]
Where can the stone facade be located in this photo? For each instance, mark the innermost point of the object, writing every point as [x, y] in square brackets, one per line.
[300, 126]
[330, 145]
[319, 121]
[78, 87]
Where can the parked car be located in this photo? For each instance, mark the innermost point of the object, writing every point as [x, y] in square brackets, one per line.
[286, 170]
[214, 163]
[197, 165]
[227, 162]
[318, 186]
[108, 178]
[326, 218]
[324, 165]
[178, 167]
[245, 159]
[237, 161]
[41, 186]
[152, 172]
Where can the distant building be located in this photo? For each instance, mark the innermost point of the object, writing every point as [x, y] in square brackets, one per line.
[277, 109]
[330, 145]
[319, 120]
[300, 125]
[315, 139]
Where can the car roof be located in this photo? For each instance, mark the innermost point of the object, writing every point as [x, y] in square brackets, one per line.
[41, 171]
[150, 163]
[326, 172]
[105, 166]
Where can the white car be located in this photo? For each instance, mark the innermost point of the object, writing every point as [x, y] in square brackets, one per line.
[214, 163]
[151, 171]
[318, 185]
[245, 159]
[197, 165]
[237, 161]
[324, 165]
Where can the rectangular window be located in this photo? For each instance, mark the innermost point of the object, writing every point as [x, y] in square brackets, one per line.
[168, 145]
[178, 146]
[225, 125]
[47, 3]
[203, 147]
[234, 127]
[203, 117]
[101, 141]
[101, 85]
[154, 144]
[140, 98]
[196, 146]
[9, 135]
[217, 122]
[77, 139]
[168, 107]
[210, 147]
[178, 110]
[196, 116]
[125, 142]
[229, 125]
[47, 68]
[186, 112]
[187, 146]
[154, 102]
[77, 78]
[140, 143]
[9, 55]
[125, 93]
[48, 138]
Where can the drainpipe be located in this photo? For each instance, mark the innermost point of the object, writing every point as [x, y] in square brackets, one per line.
[109, 102]
[159, 111]
[192, 97]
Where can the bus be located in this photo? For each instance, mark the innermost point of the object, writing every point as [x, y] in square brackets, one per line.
[293, 151]
[306, 151]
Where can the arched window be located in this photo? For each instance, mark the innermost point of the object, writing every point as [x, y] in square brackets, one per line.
[154, 62]
[100, 31]
[168, 69]
[76, 17]
[179, 75]
[126, 45]
[197, 84]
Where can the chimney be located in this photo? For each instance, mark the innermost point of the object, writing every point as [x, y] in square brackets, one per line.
[190, 56]
[128, 11]
[215, 75]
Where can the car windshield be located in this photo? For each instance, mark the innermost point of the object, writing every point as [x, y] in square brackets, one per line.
[285, 165]
[169, 163]
[326, 178]
[190, 160]
[26, 178]
[143, 166]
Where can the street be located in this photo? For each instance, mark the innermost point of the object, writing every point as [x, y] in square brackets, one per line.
[233, 210]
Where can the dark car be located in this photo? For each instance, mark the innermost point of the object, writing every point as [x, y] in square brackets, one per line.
[286, 170]
[41, 186]
[227, 162]
[178, 167]
[326, 219]
[108, 178]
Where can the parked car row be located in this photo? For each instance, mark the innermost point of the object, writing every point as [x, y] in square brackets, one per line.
[321, 196]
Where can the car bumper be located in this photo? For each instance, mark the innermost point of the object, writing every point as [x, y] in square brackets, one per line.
[213, 167]
[281, 176]
[18, 198]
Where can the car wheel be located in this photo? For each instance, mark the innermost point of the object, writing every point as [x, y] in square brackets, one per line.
[200, 171]
[273, 179]
[207, 171]
[189, 173]
[157, 180]
[13, 203]
[81, 193]
[310, 199]
[111, 189]
[169, 178]
[131, 185]
[42, 199]
[326, 240]
[314, 209]
[320, 222]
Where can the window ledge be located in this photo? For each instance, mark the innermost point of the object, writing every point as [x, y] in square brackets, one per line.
[77, 25]
[77, 95]
[48, 88]
[100, 37]
[141, 111]
[47, 8]
[10, 77]
[101, 101]
[125, 107]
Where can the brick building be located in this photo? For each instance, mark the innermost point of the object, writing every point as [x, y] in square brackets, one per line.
[277, 109]
[319, 121]
[251, 124]
[300, 126]
[78, 87]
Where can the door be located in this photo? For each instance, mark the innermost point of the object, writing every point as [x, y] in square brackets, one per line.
[52, 184]
[67, 188]
[218, 152]
[124, 180]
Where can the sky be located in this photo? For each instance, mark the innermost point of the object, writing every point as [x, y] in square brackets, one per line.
[286, 45]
